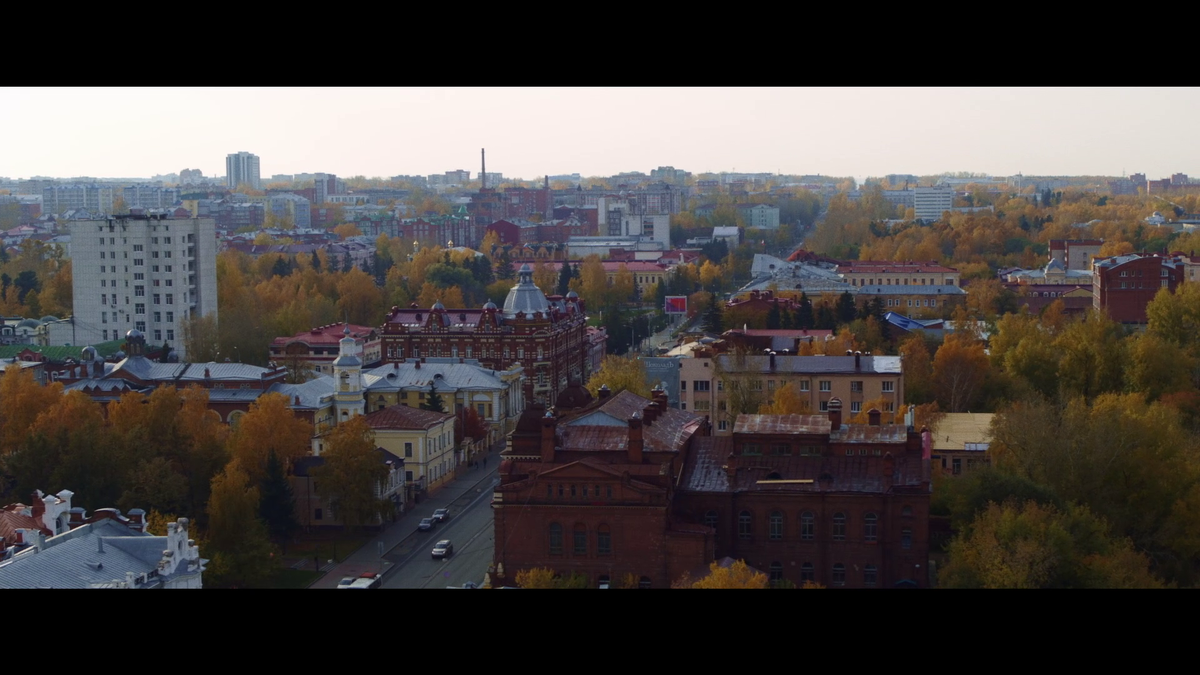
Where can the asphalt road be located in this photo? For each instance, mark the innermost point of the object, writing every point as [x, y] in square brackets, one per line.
[469, 528]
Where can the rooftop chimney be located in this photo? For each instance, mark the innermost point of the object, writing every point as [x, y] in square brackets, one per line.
[835, 414]
[547, 446]
[772, 358]
[858, 360]
[604, 391]
[635, 439]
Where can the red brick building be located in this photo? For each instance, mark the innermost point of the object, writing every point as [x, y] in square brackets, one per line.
[589, 491]
[1122, 286]
[807, 498]
[319, 347]
[547, 335]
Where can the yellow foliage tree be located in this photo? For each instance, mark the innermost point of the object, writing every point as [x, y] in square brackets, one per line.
[269, 425]
[22, 399]
[787, 401]
[347, 230]
[737, 575]
[538, 577]
[620, 373]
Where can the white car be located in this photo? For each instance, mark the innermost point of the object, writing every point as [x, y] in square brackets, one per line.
[364, 580]
[443, 549]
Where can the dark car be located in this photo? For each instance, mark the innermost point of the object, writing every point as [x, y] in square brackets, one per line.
[443, 549]
[441, 515]
[425, 525]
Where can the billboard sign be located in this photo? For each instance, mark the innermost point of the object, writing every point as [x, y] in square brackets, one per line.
[675, 304]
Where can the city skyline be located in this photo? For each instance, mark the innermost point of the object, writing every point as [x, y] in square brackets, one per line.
[530, 132]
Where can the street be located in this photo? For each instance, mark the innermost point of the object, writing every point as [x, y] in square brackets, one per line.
[469, 528]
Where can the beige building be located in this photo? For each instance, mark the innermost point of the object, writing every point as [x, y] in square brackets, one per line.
[716, 385]
[961, 441]
[884, 273]
[423, 439]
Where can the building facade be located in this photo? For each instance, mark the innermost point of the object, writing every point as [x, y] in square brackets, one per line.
[318, 348]
[142, 272]
[929, 203]
[1122, 286]
[240, 168]
[547, 336]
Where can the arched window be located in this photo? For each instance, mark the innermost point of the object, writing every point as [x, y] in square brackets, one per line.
[839, 574]
[235, 418]
[806, 572]
[710, 519]
[870, 527]
[745, 525]
[808, 525]
[580, 539]
[870, 574]
[906, 538]
[776, 572]
[775, 523]
[603, 540]
[839, 527]
[556, 539]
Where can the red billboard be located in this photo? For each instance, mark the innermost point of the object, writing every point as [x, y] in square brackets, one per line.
[675, 304]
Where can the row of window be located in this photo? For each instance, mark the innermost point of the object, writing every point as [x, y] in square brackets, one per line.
[837, 577]
[808, 526]
[577, 491]
[580, 540]
[141, 325]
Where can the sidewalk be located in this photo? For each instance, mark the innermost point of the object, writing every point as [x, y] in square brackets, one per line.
[367, 559]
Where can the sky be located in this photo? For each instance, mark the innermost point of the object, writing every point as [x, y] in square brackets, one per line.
[530, 132]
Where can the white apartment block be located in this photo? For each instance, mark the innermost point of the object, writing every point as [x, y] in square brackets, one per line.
[929, 203]
[58, 199]
[142, 272]
[242, 168]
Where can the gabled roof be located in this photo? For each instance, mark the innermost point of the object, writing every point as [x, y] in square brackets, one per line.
[402, 417]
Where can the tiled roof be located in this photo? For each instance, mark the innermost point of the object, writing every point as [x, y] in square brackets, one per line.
[453, 377]
[604, 425]
[703, 472]
[13, 518]
[326, 335]
[404, 417]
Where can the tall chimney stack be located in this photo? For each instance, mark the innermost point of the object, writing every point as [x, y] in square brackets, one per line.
[636, 443]
[482, 169]
[548, 424]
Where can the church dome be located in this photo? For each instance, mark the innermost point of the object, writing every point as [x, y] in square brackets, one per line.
[525, 296]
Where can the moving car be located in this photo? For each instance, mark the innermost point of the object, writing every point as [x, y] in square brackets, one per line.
[425, 525]
[443, 549]
[441, 515]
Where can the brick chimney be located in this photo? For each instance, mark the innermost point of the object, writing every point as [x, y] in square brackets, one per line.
[651, 412]
[38, 506]
[636, 443]
[548, 425]
[873, 417]
[835, 414]
[604, 391]
[858, 360]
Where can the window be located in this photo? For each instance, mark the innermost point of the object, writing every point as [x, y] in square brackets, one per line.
[856, 386]
[781, 449]
[775, 526]
[139, 291]
[580, 547]
[776, 572]
[572, 489]
[710, 519]
[549, 490]
[154, 254]
[806, 572]
[139, 308]
[751, 449]
[826, 385]
[158, 317]
[803, 385]
[170, 298]
[870, 574]
[408, 450]
[824, 406]
[701, 385]
[870, 527]
[317, 514]
[138, 262]
[170, 334]
[957, 463]
[808, 525]
[561, 491]
[137, 247]
[889, 386]
[603, 540]
[608, 491]
[839, 527]
[137, 276]
[140, 325]
[855, 406]
[906, 538]
[839, 574]
[556, 539]
[157, 335]
[745, 525]
[722, 425]
[720, 385]
[906, 511]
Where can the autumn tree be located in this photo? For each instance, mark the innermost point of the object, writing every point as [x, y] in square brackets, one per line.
[918, 369]
[269, 426]
[352, 472]
[959, 370]
[620, 373]
[736, 575]
[787, 401]
[1093, 355]
[22, 399]
[1031, 545]
[241, 552]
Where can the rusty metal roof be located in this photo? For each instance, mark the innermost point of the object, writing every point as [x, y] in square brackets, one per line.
[782, 424]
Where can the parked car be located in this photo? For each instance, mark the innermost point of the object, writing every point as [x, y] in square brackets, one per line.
[443, 549]
[364, 580]
[441, 515]
[425, 525]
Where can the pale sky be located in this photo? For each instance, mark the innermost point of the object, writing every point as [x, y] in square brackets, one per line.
[529, 132]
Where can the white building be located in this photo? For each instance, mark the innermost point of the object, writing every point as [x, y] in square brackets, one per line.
[242, 168]
[57, 199]
[929, 203]
[146, 272]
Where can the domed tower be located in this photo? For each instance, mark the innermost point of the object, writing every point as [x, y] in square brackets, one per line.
[347, 375]
[135, 343]
[525, 296]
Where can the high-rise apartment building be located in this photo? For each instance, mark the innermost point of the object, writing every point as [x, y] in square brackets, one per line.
[148, 273]
[242, 168]
[929, 203]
